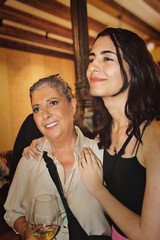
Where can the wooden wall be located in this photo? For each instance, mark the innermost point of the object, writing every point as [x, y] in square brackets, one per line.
[18, 71]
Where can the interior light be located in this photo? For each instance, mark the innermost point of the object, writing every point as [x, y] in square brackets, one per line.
[150, 46]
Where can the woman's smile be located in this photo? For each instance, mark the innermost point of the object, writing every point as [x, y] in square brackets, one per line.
[52, 124]
[96, 79]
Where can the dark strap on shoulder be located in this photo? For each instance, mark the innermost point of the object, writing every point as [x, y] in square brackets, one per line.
[76, 232]
[55, 177]
[140, 141]
[117, 157]
[73, 223]
[53, 173]
[121, 152]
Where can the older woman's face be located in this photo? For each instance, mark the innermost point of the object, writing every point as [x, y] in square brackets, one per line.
[103, 73]
[52, 112]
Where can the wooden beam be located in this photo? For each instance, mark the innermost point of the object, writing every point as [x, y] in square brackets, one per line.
[6, 43]
[81, 52]
[52, 7]
[15, 15]
[116, 11]
[155, 4]
[37, 38]
[34, 22]
[62, 11]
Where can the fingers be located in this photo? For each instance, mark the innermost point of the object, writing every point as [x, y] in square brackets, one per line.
[88, 158]
[91, 170]
[40, 142]
[85, 158]
[26, 152]
[29, 151]
[34, 149]
[94, 158]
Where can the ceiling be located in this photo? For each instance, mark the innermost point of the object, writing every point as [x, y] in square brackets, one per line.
[45, 26]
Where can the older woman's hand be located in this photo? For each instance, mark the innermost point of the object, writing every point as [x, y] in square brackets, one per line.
[24, 228]
[34, 149]
[28, 234]
[91, 171]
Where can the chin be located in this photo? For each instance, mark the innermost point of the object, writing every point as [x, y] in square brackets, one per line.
[95, 93]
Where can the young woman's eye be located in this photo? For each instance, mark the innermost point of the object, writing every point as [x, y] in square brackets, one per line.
[36, 109]
[54, 102]
[107, 59]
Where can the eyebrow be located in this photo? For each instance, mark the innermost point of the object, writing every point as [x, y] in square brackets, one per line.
[48, 100]
[103, 52]
[107, 51]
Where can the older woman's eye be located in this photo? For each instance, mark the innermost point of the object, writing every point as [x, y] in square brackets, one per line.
[90, 60]
[36, 109]
[54, 102]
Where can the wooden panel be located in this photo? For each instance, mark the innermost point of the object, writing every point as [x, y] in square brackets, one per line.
[32, 21]
[52, 7]
[155, 4]
[116, 10]
[34, 49]
[60, 10]
[26, 35]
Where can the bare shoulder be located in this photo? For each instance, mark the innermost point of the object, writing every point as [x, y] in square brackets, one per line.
[152, 132]
[151, 142]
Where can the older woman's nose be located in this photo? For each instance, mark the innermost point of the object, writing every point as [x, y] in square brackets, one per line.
[46, 113]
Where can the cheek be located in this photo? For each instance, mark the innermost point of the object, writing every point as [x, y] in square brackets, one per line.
[68, 111]
[37, 120]
[88, 74]
[114, 73]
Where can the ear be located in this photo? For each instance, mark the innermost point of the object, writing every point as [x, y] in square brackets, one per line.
[73, 105]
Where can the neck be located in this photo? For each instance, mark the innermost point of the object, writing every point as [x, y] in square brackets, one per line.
[118, 125]
[119, 134]
[65, 142]
[116, 107]
[63, 150]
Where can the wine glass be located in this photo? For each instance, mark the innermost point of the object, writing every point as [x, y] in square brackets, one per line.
[45, 217]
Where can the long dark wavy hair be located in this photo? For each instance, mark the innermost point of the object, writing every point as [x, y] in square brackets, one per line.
[143, 103]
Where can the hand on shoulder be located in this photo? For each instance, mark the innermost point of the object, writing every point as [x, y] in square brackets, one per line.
[34, 149]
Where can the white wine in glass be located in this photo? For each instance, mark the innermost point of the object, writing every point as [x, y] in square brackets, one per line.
[45, 217]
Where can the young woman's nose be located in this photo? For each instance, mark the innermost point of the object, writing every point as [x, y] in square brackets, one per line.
[95, 66]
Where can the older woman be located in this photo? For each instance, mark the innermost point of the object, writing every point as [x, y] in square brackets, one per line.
[54, 108]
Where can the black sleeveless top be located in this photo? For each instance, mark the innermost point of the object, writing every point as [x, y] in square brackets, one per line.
[125, 178]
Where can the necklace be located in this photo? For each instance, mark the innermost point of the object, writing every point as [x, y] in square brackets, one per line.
[116, 144]
[67, 192]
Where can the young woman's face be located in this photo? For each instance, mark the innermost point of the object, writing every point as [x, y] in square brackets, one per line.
[52, 112]
[103, 73]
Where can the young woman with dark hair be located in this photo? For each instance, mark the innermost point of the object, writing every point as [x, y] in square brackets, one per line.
[125, 84]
